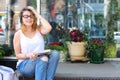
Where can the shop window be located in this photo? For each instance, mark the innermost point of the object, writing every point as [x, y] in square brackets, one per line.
[86, 1]
[93, 1]
[14, 2]
[101, 1]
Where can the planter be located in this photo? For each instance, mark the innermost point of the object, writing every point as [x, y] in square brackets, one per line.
[76, 50]
[63, 56]
[111, 51]
[97, 56]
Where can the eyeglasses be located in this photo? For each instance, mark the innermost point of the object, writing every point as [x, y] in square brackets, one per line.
[28, 16]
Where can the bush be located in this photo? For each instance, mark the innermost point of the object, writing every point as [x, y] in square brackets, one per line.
[6, 50]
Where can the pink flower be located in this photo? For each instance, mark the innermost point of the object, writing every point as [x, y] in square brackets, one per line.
[76, 35]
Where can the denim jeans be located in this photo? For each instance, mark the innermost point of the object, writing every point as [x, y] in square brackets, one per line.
[42, 70]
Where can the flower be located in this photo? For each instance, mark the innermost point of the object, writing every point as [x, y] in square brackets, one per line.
[77, 36]
[59, 46]
[95, 44]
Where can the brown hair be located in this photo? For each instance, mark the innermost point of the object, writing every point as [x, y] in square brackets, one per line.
[34, 26]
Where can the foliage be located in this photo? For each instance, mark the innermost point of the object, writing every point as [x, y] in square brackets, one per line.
[56, 46]
[32, 3]
[6, 50]
[99, 20]
[2, 52]
[113, 15]
[111, 21]
[94, 44]
[57, 32]
[110, 50]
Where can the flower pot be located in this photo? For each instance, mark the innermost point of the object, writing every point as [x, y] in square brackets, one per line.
[111, 51]
[97, 56]
[76, 50]
[63, 56]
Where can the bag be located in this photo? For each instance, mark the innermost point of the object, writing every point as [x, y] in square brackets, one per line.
[7, 73]
[1, 76]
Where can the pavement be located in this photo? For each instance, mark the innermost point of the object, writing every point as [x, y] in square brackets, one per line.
[109, 70]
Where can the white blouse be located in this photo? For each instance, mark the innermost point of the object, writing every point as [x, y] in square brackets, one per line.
[31, 45]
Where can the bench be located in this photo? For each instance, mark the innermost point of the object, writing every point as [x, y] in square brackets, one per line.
[21, 77]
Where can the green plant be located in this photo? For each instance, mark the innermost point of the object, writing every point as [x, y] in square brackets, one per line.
[2, 52]
[56, 46]
[6, 50]
[111, 49]
[95, 44]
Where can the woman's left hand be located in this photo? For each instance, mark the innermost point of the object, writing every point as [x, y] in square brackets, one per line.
[33, 56]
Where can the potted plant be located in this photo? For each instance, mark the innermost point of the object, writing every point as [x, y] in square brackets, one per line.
[95, 50]
[58, 46]
[110, 20]
[2, 52]
[5, 50]
[76, 44]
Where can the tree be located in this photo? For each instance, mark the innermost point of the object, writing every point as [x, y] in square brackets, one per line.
[32, 3]
[110, 20]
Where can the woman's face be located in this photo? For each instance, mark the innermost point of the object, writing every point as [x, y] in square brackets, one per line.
[27, 18]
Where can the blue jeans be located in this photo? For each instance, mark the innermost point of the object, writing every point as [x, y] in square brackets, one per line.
[42, 70]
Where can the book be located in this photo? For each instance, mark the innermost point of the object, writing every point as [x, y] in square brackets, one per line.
[44, 52]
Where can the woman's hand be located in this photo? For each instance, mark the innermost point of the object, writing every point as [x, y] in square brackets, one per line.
[33, 10]
[32, 56]
[46, 27]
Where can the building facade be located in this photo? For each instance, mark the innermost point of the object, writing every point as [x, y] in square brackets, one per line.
[5, 8]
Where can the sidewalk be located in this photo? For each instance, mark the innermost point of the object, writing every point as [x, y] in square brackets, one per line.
[109, 70]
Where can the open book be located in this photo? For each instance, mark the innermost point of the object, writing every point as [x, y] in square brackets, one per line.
[44, 52]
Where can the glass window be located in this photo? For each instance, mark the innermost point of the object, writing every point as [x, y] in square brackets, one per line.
[86, 1]
[101, 1]
[14, 2]
[93, 1]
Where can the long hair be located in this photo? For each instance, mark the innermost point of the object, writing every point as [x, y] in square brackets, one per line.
[34, 26]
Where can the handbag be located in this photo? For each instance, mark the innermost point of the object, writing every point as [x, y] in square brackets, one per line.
[7, 73]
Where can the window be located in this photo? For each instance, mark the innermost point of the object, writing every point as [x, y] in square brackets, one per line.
[16, 2]
[93, 1]
[86, 1]
[101, 1]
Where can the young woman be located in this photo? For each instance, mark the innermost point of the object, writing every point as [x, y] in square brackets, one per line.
[28, 41]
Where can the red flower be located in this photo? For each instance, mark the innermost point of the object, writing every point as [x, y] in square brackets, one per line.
[98, 41]
[55, 43]
[79, 39]
[73, 33]
[76, 35]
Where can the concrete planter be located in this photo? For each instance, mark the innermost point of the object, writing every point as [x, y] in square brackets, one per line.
[76, 50]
